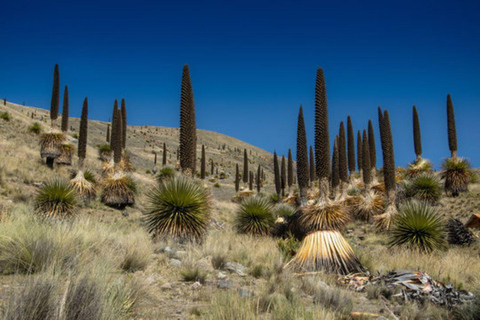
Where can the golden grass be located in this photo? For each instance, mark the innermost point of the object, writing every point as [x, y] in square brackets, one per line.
[85, 189]
[367, 205]
[50, 144]
[329, 217]
[117, 191]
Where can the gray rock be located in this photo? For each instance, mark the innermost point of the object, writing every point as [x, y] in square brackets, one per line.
[245, 293]
[236, 268]
[225, 284]
[168, 250]
[221, 275]
[176, 262]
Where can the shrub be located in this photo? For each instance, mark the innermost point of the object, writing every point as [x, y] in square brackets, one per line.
[104, 148]
[254, 216]
[35, 128]
[274, 198]
[418, 227]
[288, 246]
[216, 185]
[456, 173]
[193, 274]
[56, 198]
[284, 210]
[6, 116]
[179, 208]
[424, 187]
[218, 261]
[34, 302]
[87, 174]
[165, 173]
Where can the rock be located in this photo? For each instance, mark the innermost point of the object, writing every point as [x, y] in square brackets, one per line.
[236, 268]
[196, 285]
[221, 275]
[225, 284]
[245, 293]
[166, 286]
[176, 262]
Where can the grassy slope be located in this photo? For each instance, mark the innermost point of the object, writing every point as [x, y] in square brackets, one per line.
[166, 296]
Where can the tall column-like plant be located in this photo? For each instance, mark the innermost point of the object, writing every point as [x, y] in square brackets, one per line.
[117, 138]
[82, 137]
[259, 183]
[123, 110]
[313, 173]
[417, 136]
[322, 142]
[108, 133]
[65, 110]
[302, 158]
[372, 150]
[237, 178]
[351, 146]
[276, 171]
[359, 153]
[55, 102]
[114, 118]
[289, 170]
[202, 164]
[342, 161]
[452, 130]
[164, 155]
[283, 176]
[188, 129]
[335, 169]
[384, 221]
[245, 167]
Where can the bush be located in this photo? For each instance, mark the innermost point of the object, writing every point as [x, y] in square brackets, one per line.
[193, 274]
[457, 175]
[56, 198]
[255, 216]
[165, 173]
[179, 208]
[87, 174]
[216, 185]
[418, 227]
[424, 187]
[6, 116]
[35, 128]
[284, 210]
[119, 191]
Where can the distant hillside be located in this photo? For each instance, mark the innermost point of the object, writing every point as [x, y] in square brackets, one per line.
[142, 141]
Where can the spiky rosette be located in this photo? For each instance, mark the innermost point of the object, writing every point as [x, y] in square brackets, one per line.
[178, 208]
[418, 227]
[457, 175]
[56, 198]
[65, 156]
[255, 216]
[83, 187]
[329, 217]
[50, 143]
[367, 205]
[425, 187]
[327, 251]
[118, 191]
[418, 167]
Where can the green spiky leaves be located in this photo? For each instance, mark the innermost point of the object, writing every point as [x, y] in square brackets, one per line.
[425, 187]
[178, 208]
[255, 216]
[457, 174]
[418, 227]
[57, 199]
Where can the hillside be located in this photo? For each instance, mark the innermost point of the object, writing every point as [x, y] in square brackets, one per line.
[108, 253]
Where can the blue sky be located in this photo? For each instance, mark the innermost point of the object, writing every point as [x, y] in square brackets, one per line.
[253, 63]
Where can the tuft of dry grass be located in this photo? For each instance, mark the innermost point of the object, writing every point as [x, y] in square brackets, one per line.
[329, 217]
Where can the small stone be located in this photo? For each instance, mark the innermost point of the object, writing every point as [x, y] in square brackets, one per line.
[176, 262]
[166, 286]
[245, 293]
[221, 275]
[168, 250]
[236, 268]
[224, 284]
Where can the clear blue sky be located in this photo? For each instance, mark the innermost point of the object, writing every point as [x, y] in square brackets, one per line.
[252, 64]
